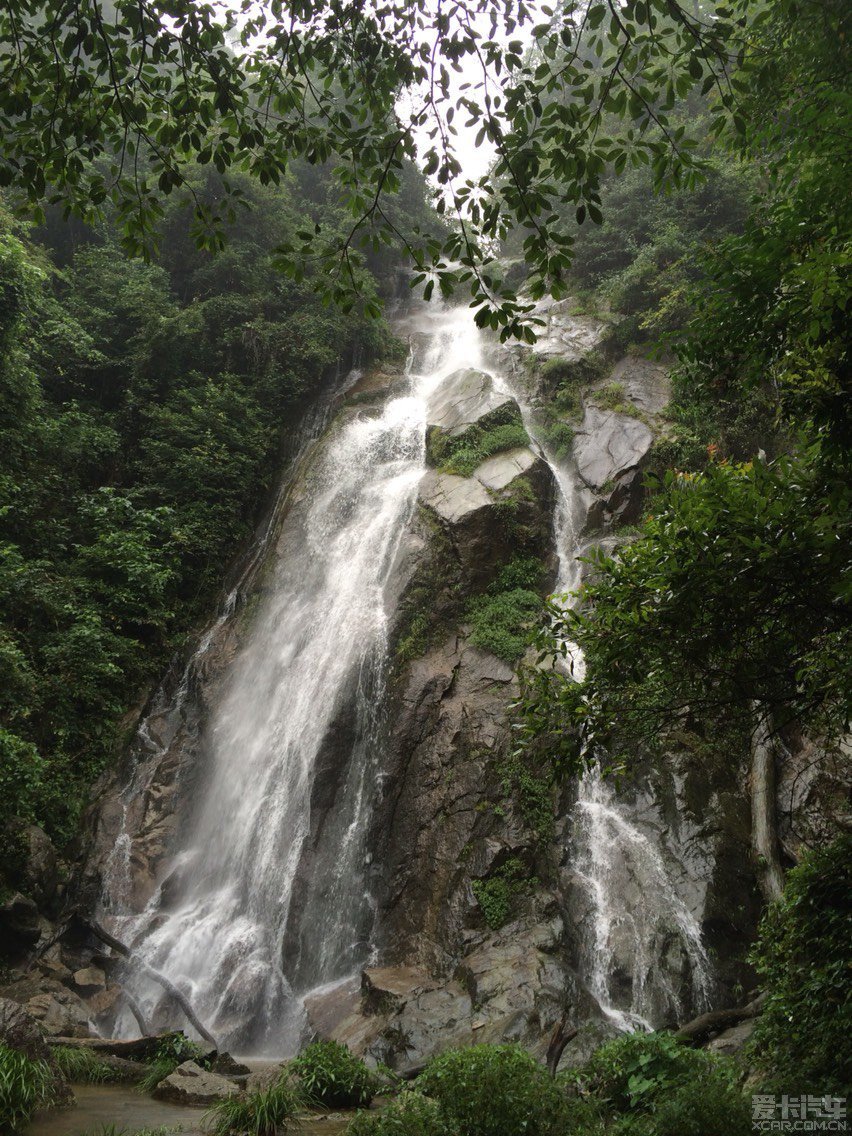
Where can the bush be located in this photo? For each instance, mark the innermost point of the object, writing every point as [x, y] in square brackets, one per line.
[504, 617]
[24, 1085]
[265, 1112]
[333, 1076]
[804, 956]
[495, 1090]
[463, 454]
[633, 1071]
[411, 1114]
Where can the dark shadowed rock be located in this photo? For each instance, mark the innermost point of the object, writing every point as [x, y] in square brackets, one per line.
[20, 1031]
[20, 928]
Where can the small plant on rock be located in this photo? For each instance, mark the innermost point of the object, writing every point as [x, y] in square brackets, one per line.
[172, 1051]
[331, 1075]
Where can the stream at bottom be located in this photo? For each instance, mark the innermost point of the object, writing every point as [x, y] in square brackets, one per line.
[102, 1109]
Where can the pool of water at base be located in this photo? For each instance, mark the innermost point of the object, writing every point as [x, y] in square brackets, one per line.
[101, 1107]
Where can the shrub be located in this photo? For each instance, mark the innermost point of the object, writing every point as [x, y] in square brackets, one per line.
[708, 1105]
[632, 1071]
[504, 617]
[804, 955]
[264, 1112]
[559, 437]
[495, 1090]
[24, 1085]
[332, 1075]
[84, 1066]
[411, 1114]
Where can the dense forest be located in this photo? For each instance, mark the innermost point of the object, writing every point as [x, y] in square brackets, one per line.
[184, 271]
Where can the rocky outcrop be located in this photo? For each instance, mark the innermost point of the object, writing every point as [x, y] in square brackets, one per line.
[189, 1084]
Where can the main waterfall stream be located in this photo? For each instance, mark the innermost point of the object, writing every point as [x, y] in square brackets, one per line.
[230, 915]
[268, 894]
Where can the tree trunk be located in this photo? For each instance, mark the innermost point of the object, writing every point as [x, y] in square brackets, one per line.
[764, 836]
[167, 985]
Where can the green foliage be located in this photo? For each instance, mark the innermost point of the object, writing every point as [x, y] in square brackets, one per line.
[504, 617]
[83, 1066]
[803, 956]
[558, 436]
[263, 1112]
[636, 1070]
[144, 412]
[533, 791]
[736, 593]
[462, 453]
[494, 1090]
[24, 1086]
[411, 1114]
[172, 1051]
[226, 89]
[331, 1075]
[709, 1104]
[498, 894]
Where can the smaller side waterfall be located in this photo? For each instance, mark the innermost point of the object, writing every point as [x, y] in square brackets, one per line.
[641, 936]
[640, 946]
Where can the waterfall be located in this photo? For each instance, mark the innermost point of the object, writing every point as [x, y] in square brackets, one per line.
[269, 891]
[269, 894]
[639, 943]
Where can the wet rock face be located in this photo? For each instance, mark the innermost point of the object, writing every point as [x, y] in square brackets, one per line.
[509, 987]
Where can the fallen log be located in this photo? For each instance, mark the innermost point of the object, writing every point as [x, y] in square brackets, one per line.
[167, 984]
[707, 1026]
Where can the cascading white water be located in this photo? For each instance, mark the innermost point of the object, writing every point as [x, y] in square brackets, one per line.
[640, 943]
[234, 927]
[269, 896]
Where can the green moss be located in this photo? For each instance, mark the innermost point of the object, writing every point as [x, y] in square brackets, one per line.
[428, 601]
[498, 894]
[533, 793]
[463, 453]
[504, 617]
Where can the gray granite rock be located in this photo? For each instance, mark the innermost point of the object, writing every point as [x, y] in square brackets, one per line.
[192, 1085]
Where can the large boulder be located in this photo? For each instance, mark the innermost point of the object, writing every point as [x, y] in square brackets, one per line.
[192, 1085]
[502, 509]
[469, 398]
[60, 1012]
[19, 1030]
[609, 445]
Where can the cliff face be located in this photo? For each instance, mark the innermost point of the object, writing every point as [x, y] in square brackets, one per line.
[460, 845]
[498, 902]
